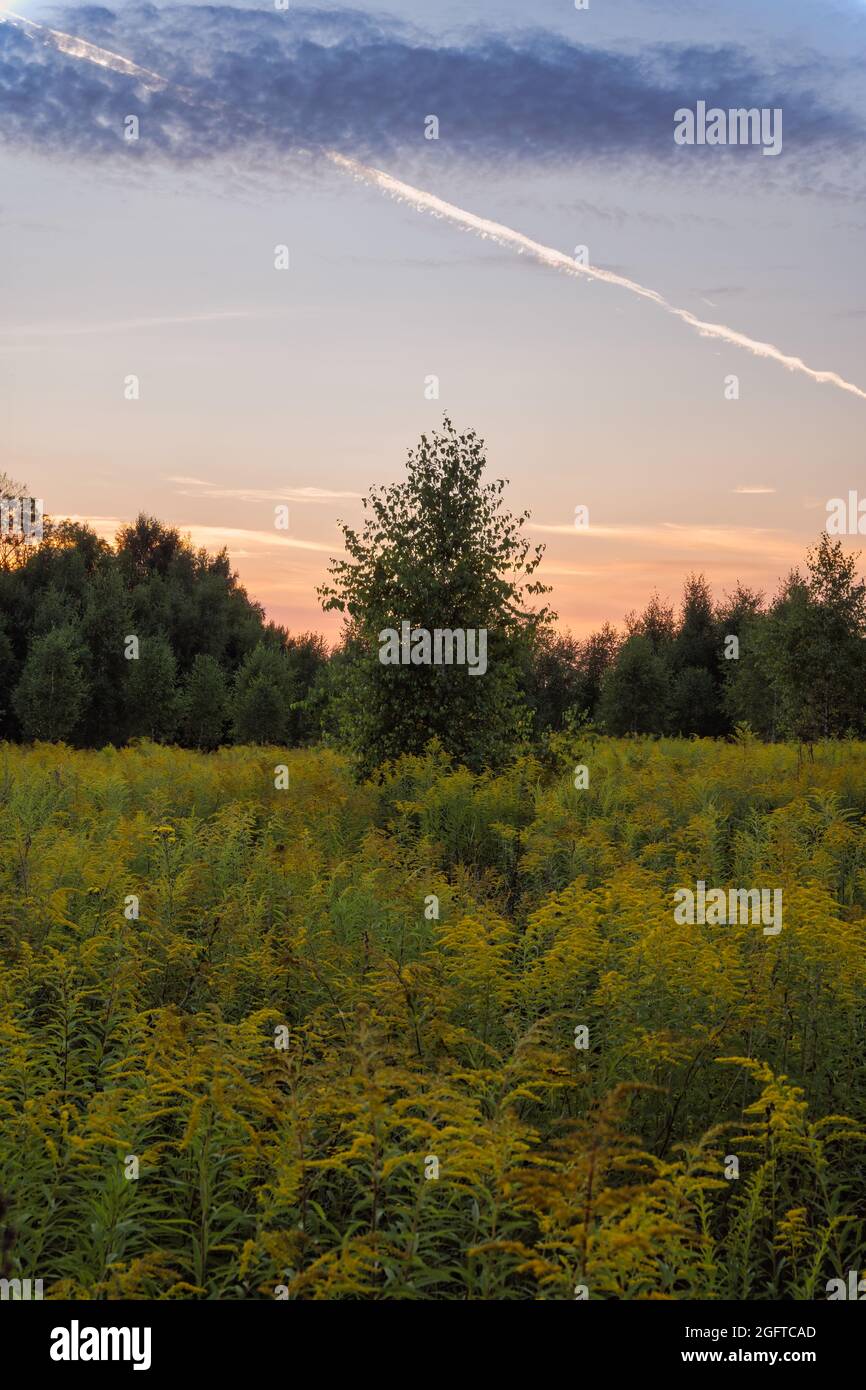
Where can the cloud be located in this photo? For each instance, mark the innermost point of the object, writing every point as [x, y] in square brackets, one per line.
[303, 80]
[102, 59]
[239, 541]
[63, 330]
[199, 487]
[672, 537]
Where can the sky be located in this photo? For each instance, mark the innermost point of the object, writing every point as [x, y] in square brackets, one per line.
[258, 386]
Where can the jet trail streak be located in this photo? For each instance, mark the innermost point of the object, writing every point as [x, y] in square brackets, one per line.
[557, 260]
[481, 226]
[80, 48]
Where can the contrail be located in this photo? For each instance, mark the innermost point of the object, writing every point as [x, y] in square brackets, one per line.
[481, 226]
[557, 260]
[80, 48]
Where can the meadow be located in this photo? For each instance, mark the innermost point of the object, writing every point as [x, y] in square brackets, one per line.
[436, 1035]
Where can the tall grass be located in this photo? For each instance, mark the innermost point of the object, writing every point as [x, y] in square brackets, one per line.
[337, 1044]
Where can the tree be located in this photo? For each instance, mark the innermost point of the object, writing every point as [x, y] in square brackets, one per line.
[150, 695]
[54, 607]
[438, 552]
[746, 695]
[597, 655]
[656, 623]
[814, 649]
[155, 585]
[693, 703]
[203, 704]
[307, 657]
[750, 696]
[738, 609]
[696, 643]
[693, 658]
[263, 695]
[327, 708]
[14, 544]
[147, 547]
[553, 680]
[104, 626]
[8, 680]
[566, 675]
[633, 693]
[50, 695]
[836, 668]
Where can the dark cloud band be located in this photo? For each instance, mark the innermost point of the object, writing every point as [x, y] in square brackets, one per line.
[299, 80]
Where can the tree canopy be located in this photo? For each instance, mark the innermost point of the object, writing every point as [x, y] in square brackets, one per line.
[147, 638]
[438, 551]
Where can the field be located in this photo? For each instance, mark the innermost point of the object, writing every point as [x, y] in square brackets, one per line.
[434, 1037]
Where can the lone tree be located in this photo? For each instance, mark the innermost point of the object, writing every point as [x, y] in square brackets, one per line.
[438, 551]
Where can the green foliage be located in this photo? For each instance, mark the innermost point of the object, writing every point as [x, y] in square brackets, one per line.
[799, 670]
[50, 695]
[185, 607]
[816, 656]
[410, 1035]
[634, 689]
[264, 688]
[437, 551]
[203, 704]
[150, 690]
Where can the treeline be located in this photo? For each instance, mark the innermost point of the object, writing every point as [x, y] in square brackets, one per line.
[152, 638]
[791, 667]
[147, 638]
